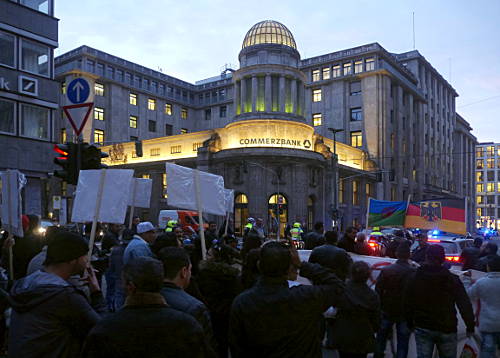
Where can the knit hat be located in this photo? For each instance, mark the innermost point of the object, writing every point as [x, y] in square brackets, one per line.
[403, 250]
[435, 253]
[66, 246]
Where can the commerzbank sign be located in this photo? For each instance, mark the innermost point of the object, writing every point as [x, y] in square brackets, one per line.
[272, 142]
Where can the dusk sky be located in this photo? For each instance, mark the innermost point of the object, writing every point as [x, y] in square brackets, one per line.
[192, 40]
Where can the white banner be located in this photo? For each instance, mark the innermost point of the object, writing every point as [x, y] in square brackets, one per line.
[114, 198]
[140, 195]
[11, 183]
[229, 197]
[182, 194]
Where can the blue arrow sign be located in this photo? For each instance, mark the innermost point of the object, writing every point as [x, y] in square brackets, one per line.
[78, 91]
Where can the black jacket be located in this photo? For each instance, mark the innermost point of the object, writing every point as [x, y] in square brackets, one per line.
[336, 259]
[430, 300]
[357, 320]
[482, 263]
[313, 239]
[109, 240]
[271, 320]
[50, 317]
[418, 254]
[390, 284]
[347, 244]
[146, 329]
[469, 258]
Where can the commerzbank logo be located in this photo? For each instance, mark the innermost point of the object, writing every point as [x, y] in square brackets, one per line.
[277, 142]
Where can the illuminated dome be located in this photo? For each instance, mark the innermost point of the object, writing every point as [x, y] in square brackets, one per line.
[269, 32]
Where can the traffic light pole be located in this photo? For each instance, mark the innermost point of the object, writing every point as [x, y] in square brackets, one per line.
[335, 181]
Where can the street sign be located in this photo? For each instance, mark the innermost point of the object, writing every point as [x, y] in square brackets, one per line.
[78, 90]
[78, 118]
[56, 202]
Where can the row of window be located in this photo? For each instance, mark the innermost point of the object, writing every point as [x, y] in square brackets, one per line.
[355, 192]
[343, 69]
[34, 121]
[99, 133]
[486, 199]
[222, 113]
[26, 55]
[491, 212]
[152, 106]
[490, 187]
[487, 163]
[490, 175]
[354, 90]
[356, 115]
[488, 151]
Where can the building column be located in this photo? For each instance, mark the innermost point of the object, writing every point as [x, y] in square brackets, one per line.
[237, 97]
[254, 93]
[268, 93]
[243, 94]
[282, 94]
[293, 93]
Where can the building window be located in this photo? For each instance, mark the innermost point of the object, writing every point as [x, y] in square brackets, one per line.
[356, 139]
[358, 66]
[152, 126]
[99, 114]
[490, 187]
[175, 149]
[369, 64]
[326, 73]
[146, 176]
[164, 185]
[480, 188]
[479, 176]
[168, 109]
[315, 75]
[347, 69]
[35, 57]
[355, 192]
[341, 191]
[168, 129]
[316, 119]
[355, 88]
[479, 152]
[490, 163]
[222, 111]
[154, 152]
[393, 193]
[368, 191]
[64, 136]
[8, 49]
[184, 113]
[184, 130]
[133, 122]
[133, 99]
[490, 151]
[151, 104]
[196, 146]
[99, 89]
[336, 71]
[134, 138]
[35, 121]
[99, 136]
[480, 199]
[63, 88]
[208, 114]
[356, 114]
[7, 115]
[480, 164]
[316, 95]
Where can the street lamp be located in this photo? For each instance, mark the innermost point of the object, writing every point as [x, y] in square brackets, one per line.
[335, 193]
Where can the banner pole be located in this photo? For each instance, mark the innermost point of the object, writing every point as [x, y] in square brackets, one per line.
[132, 207]
[466, 202]
[407, 206]
[97, 211]
[200, 214]
[227, 224]
[10, 237]
[367, 213]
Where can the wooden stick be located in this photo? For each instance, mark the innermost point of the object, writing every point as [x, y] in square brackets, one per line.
[97, 210]
[132, 207]
[200, 214]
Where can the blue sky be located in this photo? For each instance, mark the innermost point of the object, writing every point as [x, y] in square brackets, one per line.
[192, 40]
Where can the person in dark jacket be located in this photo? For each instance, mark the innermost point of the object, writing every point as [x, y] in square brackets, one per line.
[329, 255]
[430, 299]
[211, 234]
[251, 241]
[315, 238]
[358, 315]
[219, 283]
[418, 255]
[177, 272]
[115, 271]
[362, 247]
[26, 247]
[51, 317]
[470, 255]
[399, 237]
[111, 238]
[390, 283]
[348, 241]
[489, 251]
[272, 320]
[146, 326]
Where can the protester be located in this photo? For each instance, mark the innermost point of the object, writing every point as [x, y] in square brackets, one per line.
[418, 255]
[273, 320]
[111, 238]
[168, 239]
[177, 277]
[329, 255]
[27, 246]
[358, 315]
[260, 229]
[146, 326]
[430, 299]
[470, 255]
[115, 271]
[51, 317]
[488, 253]
[250, 241]
[487, 291]
[36, 262]
[348, 242]
[390, 283]
[315, 238]
[399, 237]
[139, 245]
[362, 247]
[211, 234]
[250, 270]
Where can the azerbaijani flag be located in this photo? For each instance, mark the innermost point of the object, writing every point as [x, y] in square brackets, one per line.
[442, 214]
[386, 213]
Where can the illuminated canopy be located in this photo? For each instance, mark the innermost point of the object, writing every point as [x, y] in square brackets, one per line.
[269, 32]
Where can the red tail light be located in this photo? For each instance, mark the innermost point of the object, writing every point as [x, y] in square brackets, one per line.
[433, 240]
[453, 258]
[372, 244]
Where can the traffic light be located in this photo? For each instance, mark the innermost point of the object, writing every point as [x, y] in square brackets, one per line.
[68, 160]
[91, 157]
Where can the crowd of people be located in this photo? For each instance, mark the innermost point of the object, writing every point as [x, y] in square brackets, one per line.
[163, 298]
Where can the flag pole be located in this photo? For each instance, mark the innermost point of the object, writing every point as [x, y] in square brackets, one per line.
[367, 213]
[466, 199]
[407, 206]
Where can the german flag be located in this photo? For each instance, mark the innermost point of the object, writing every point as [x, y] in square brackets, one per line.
[441, 214]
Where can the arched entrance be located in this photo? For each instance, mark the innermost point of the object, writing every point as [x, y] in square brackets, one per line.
[240, 213]
[277, 214]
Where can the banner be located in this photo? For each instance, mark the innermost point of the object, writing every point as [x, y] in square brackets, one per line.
[229, 196]
[141, 193]
[11, 183]
[441, 214]
[386, 213]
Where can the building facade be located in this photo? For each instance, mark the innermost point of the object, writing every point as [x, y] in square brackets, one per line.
[488, 185]
[29, 95]
[396, 114]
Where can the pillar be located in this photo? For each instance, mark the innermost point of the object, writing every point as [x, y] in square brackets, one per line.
[293, 93]
[282, 94]
[243, 94]
[254, 93]
[268, 93]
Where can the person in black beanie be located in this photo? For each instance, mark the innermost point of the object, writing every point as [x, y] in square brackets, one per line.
[50, 316]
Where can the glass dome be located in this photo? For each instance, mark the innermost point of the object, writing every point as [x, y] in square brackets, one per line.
[269, 32]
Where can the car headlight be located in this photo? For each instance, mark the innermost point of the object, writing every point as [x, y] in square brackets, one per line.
[42, 230]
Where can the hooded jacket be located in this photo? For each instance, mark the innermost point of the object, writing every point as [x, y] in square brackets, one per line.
[430, 300]
[487, 290]
[50, 317]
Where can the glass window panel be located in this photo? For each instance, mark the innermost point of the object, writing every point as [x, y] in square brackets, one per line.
[7, 112]
[347, 69]
[7, 49]
[358, 66]
[336, 71]
[317, 95]
[35, 122]
[35, 57]
[369, 64]
[316, 119]
[39, 5]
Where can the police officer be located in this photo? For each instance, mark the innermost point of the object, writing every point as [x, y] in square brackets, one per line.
[171, 225]
[296, 233]
[249, 226]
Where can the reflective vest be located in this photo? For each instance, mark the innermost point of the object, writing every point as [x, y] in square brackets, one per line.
[170, 225]
[295, 232]
[249, 226]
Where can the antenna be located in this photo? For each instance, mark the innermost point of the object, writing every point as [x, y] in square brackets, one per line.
[413, 16]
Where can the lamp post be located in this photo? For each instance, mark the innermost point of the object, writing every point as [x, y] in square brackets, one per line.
[335, 189]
